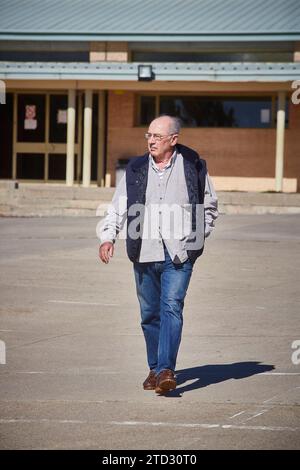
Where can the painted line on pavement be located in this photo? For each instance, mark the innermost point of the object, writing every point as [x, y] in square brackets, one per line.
[151, 424]
[83, 303]
[207, 426]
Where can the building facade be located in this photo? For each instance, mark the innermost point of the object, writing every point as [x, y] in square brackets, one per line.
[82, 80]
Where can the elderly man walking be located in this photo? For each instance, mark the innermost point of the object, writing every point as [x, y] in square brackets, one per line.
[169, 182]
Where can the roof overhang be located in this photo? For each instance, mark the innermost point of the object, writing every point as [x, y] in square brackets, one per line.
[147, 37]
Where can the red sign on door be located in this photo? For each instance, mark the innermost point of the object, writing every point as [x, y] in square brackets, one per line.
[30, 114]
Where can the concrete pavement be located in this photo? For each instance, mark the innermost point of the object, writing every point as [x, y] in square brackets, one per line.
[75, 355]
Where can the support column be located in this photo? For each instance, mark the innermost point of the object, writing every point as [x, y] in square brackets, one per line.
[279, 165]
[79, 133]
[15, 124]
[70, 138]
[87, 138]
[47, 132]
[101, 138]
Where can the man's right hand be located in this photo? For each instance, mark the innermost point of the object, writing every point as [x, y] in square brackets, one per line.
[106, 251]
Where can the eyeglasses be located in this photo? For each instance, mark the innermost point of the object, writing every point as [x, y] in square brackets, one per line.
[156, 137]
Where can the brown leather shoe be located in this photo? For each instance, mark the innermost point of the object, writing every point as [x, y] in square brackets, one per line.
[150, 382]
[165, 381]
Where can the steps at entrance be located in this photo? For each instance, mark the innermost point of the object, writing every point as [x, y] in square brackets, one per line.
[35, 199]
[234, 202]
[59, 191]
[45, 200]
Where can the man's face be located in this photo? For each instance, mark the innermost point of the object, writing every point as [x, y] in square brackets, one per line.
[161, 148]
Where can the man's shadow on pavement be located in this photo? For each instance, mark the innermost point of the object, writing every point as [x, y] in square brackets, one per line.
[215, 373]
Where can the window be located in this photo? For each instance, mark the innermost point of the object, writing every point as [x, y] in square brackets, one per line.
[147, 107]
[210, 51]
[213, 111]
[218, 111]
[44, 56]
[149, 56]
[58, 118]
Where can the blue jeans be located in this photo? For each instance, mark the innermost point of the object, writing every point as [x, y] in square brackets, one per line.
[161, 288]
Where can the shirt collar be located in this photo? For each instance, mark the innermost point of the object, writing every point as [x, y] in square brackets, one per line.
[170, 163]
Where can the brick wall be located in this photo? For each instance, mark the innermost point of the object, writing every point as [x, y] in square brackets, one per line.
[229, 152]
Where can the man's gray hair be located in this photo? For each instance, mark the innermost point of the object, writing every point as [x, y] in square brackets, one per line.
[175, 125]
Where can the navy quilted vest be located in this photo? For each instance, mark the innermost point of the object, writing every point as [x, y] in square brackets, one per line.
[136, 182]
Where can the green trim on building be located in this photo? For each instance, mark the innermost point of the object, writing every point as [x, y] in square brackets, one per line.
[213, 71]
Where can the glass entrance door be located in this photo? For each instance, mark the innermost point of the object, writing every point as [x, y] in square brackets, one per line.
[41, 137]
[6, 137]
[31, 123]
